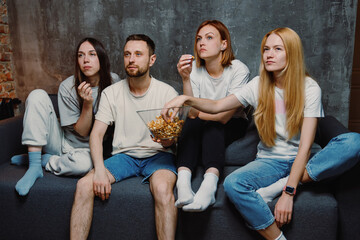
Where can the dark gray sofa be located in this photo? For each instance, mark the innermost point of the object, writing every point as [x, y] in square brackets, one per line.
[328, 210]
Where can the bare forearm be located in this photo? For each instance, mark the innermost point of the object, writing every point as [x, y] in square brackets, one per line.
[187, 89]
[213, 106]
[96, 150]
[297, 170]
[302, 157]
[223, 117]
[85, 121]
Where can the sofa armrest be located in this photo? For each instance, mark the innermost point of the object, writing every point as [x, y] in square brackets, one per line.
[10, 140]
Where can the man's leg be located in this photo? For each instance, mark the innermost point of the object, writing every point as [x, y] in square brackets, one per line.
[82, 209]
[162, 184]
[119, 166]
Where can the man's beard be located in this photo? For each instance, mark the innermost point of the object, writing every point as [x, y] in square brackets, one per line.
[139, 73]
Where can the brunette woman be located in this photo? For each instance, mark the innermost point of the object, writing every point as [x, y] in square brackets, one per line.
[63, 148]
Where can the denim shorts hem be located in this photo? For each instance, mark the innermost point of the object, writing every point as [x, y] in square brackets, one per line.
[146, 178]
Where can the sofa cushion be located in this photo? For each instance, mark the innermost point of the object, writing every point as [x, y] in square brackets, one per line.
[348, 196]
[243, 150]
[45, 212]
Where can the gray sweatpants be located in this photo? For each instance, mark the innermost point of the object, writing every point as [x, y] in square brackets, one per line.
[42, 128]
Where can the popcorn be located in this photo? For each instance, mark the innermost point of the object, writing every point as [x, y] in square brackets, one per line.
[162, 129]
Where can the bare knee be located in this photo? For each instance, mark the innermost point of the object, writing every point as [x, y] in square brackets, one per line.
[162, 187]
[163, 193]
[84, 188]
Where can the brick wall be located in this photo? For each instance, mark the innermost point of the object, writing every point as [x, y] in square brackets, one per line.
[7, 83]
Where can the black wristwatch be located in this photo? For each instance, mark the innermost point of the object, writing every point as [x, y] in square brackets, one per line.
[289, 190]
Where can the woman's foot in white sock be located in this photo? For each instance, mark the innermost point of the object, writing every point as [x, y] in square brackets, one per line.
[270, 192]
[184, 190]
[205, 196]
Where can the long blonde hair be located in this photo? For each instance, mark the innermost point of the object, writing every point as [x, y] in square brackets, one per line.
[294, 89]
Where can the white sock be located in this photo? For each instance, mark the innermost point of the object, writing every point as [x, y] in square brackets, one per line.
[205, 196]
[270, 192]
[281, 237]
[184, 191]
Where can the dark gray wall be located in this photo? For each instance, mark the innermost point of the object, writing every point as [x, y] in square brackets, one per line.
[45, 33]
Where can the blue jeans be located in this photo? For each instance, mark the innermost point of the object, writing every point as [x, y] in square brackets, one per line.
[123, 166]
[339, 155]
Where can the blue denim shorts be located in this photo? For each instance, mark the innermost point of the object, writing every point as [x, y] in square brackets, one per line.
[123, 166]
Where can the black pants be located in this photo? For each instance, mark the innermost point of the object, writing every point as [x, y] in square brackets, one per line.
[207, 140]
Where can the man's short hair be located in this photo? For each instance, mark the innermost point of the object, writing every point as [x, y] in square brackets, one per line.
[142, 37]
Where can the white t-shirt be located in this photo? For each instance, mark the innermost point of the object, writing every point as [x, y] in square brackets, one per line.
[283, 149]
[69, 110]
[233, 78]
[118, 105]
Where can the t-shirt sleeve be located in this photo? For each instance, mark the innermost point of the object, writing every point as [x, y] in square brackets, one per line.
[313, 106]
[247, 95]
[171, 93]
[240, 76]
[69, 108]
[105, 112]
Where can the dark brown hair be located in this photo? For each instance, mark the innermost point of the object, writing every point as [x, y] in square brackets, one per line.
[104, 72]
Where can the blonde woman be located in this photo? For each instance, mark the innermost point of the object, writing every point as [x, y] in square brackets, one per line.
[287, 106]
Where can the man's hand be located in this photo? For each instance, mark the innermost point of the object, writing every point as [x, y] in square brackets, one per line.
[283, 209]
[102, 185]
[164, 142]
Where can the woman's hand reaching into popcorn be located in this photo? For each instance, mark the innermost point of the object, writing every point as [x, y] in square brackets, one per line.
[171, 108]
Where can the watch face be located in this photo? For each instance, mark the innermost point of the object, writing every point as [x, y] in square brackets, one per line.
[289, 189]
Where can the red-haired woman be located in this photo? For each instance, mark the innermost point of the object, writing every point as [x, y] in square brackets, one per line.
[214, 74]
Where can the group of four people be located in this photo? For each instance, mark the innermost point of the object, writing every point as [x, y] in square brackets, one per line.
[287, 104]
